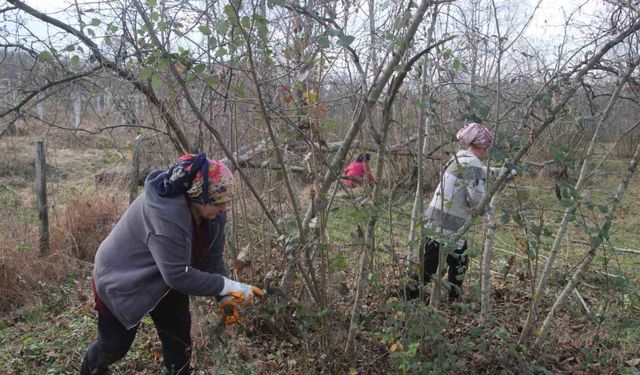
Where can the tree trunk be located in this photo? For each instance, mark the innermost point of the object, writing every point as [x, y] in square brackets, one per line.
[487, 256]
[414, 263]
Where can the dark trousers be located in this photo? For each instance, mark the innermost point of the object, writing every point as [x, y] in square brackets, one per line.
[457, 263]
[173, 322]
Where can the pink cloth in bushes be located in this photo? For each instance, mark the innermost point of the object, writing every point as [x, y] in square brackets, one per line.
[357, 173]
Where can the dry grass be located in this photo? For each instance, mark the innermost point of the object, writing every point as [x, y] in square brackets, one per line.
[627, 145]
[75, 235]
[87, 220]
[80, 217]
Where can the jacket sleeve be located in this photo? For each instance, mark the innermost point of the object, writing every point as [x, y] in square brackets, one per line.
[495, 172]
[213, 261]
[475, 192]
[172, 256]
[472, 179]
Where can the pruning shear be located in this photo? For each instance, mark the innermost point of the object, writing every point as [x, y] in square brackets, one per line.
[231, 304]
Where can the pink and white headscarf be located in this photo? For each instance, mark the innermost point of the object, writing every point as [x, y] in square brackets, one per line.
[477, 135]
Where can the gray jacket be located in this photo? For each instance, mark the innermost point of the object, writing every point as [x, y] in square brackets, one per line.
[149, 251]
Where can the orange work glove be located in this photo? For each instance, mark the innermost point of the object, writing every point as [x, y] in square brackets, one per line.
[233, 295]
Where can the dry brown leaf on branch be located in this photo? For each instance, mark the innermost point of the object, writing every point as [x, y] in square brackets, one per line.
[243, 260]
[522, 245]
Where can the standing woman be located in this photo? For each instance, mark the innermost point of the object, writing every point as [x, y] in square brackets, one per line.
[461, 189]
[168, 245]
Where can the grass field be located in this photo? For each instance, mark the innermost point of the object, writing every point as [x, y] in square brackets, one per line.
[47, 317]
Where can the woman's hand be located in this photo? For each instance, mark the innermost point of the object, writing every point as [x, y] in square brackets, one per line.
[242, 292]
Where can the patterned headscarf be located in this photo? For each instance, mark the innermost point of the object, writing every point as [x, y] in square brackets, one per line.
[194, 175]
[477, 135]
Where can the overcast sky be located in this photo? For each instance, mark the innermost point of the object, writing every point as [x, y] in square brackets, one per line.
[547, 24]
[550, 14]
[550, 17]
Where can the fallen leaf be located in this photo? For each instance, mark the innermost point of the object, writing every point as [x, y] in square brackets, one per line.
[397, 346]
[633, 362]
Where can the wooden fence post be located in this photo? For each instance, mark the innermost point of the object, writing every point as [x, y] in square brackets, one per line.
[135, 173]
[41, 192]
